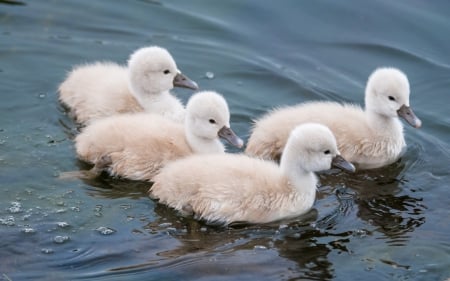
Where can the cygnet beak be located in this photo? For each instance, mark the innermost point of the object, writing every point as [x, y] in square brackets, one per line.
[182, 81]
[339, 162]
[228, 134]
[408, 114]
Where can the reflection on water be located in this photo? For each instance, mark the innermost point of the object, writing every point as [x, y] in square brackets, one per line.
[12, 2]
[379, 199]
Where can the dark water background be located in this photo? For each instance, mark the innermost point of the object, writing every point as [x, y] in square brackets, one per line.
[387, 224]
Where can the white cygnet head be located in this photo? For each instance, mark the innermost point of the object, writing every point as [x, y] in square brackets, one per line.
[208, 117]
[312, 147]
[152, 70]
[387, 94]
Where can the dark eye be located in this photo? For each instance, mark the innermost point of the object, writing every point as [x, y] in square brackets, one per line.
[166, 71]
[391, 98]
[212, 121]
[326, 152]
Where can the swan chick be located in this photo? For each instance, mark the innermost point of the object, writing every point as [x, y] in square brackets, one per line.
[136, 146]
[226, 188]
[369, 138]
[102, 89]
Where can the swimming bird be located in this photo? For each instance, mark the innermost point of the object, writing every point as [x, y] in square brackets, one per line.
[101, 89]
[136, 146]
[226, 188]
[369, 138]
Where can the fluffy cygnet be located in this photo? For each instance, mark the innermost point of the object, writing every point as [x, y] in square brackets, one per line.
[225, 188]
[103, 89]
[370, 138]
[136, 146]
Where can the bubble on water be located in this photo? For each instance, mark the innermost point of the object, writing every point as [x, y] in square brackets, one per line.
[47, 251]
[105, 230]
[360, 233]
[125, 206]
[60, 211]
[60, 203]
[165, 224]
[209, 75]
[29, 230]
[15, 208]
[260, 247]
[97, 211]
[26, 217]
[9, 221]
[42, 95]
[62, 224]
[61, 239]
[171, 230]
[75, 209]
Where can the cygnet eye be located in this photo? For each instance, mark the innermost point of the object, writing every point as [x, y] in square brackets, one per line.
[166, 71]
[326, 151]
[212, 121]
[391, 98]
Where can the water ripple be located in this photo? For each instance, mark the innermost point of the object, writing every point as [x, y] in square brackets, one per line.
[391, 49]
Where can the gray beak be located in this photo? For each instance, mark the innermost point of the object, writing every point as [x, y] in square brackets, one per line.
[408, 114]
[228, 134]
[339, 162]
[182, 81]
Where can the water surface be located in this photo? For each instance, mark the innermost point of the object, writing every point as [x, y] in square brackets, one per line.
[387, 224]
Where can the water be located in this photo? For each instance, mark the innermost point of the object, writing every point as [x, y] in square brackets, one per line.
[387, 224]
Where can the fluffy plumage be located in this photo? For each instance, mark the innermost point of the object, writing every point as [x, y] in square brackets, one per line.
[225, 188]
[136, 146]
[370, 138]
[102, 89]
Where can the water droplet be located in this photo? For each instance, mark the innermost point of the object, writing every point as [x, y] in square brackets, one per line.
[125, 206]
[105, 230]
[61, 239]
[165, 224]
[360, 233]
[42, 95]
[29, 230]
[62, 224]
[47, 251]
[260, 247]
[209, 75]
[171, 230]
[9, 221]
[15, 207]
[60, 203]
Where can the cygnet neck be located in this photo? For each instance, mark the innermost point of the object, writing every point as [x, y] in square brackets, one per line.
[383, 124]
[200, 145]
[147, 99]
[300, 178]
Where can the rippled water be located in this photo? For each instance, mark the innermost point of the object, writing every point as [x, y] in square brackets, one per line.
[386, 224]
